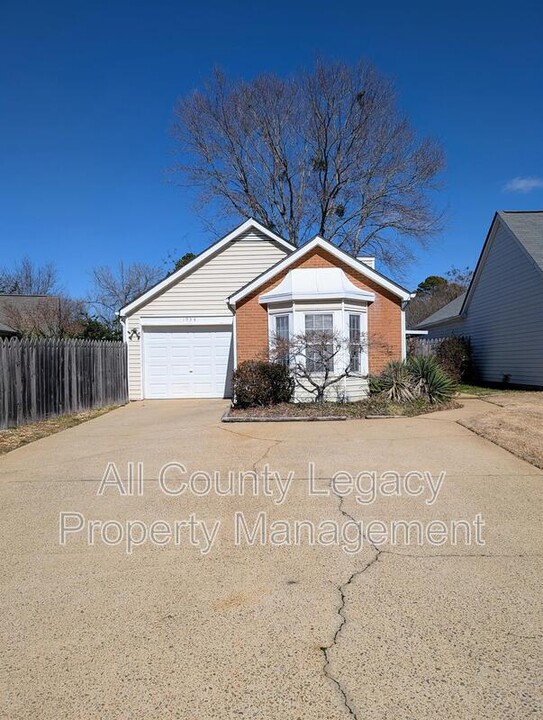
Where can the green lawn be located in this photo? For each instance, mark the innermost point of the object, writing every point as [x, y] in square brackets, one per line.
[476, 389]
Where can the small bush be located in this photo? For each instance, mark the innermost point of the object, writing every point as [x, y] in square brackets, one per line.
[418, 379]
[374, 383]
[394, 382]
[454, 356]
[257, 382]
[429, 380]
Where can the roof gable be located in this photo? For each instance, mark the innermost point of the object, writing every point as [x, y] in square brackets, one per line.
[527, 227]
[524, 228]
[212, 251]
[340, 255]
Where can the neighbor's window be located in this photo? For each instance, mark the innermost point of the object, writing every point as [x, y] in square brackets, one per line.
[319, 331]
[355, 344]
[282, 336]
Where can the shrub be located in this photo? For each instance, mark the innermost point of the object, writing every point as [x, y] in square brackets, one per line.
[429, 380]
[374, 383]
[394, 382]
[257, 382]
[419, 378]
[454, 356]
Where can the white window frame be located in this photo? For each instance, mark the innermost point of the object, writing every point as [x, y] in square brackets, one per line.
[277, 316]
[351, 314]
[340, 311]
[312, 313]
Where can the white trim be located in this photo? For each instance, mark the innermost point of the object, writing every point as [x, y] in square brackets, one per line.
[142, 361]
[416, 332]
[362, 296]
[490, 237]
[201, 258]
[336, 252]
[185, 320]
[234, 345]
[404, 339]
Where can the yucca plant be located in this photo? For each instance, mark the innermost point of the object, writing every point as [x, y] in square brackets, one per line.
[429, 380]
[395, 382]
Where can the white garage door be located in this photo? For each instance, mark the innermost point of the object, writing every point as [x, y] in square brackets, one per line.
[187, 363]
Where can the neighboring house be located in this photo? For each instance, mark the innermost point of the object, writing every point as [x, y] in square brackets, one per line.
[186, 335]
[502, 310]
[27, 314]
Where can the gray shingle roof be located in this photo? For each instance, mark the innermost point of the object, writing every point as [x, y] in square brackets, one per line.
[527, 226]
[447, 312]
[21, 305]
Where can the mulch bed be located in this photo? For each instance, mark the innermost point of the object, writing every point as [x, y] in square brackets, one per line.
[371, 408]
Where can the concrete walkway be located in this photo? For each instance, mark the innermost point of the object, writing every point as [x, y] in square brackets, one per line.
[273, 632]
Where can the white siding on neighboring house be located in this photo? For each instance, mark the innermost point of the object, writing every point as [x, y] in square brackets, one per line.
[504, 316]
[203, 292]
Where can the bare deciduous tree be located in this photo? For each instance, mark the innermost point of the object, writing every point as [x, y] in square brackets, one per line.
[318, 359]
[27, 278]
[115, 287]
[324, 152]
[48, 317]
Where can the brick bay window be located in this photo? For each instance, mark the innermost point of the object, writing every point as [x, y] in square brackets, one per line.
[317, 321]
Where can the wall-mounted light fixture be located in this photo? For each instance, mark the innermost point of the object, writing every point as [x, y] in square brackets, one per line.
[134, 334]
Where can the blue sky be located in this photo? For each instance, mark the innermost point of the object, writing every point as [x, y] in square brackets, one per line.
[88, 91]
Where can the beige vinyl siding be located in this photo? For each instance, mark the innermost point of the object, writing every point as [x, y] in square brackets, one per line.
[505, 315]
[204, 291]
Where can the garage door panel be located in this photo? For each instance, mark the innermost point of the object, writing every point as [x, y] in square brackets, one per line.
[187, 362]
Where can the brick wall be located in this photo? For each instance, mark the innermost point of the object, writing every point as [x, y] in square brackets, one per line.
[384, 315]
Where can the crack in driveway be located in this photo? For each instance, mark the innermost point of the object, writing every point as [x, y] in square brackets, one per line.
[342, 590]
[272, 444]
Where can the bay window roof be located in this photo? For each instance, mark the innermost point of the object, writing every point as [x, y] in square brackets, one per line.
[316, 284]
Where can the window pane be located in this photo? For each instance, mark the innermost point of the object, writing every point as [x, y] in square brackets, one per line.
[354, 342]
[319, 355]
[319, 323]
[281, 327]
[282, 335]
[354, 328]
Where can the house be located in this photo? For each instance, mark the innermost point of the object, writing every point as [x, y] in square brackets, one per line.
[502, 310]
[27, 314]
[186, 335]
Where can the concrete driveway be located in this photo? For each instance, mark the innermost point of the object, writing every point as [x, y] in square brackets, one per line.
[202, 629]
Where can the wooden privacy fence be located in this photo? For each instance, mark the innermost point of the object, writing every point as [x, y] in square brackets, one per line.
[45, 378]
[420, 345]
